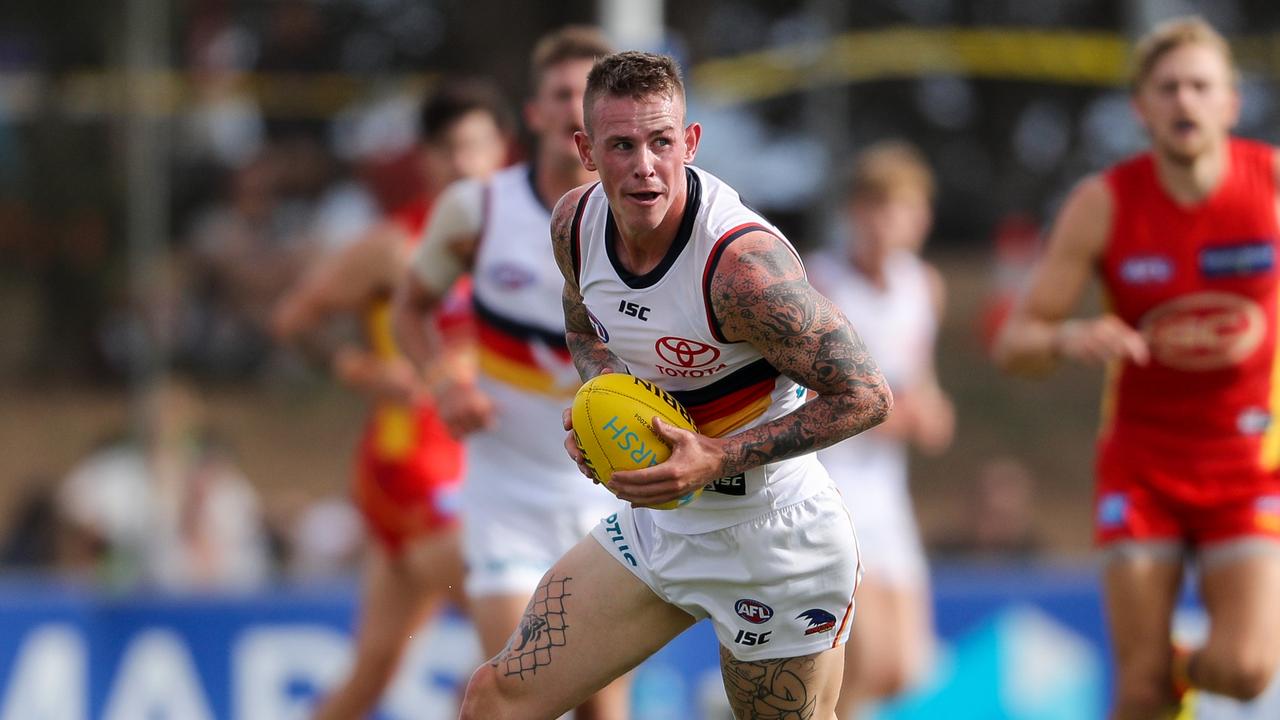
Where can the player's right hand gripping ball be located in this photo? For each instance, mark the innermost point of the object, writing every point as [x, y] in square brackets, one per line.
[613, 424]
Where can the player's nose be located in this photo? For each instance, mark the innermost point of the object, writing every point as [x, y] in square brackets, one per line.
[644, 163]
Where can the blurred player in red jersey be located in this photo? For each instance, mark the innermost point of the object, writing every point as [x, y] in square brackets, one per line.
[1184, 240]
[408, 469]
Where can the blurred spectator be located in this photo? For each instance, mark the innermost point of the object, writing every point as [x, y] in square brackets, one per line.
[32, 542]
[326, 540]
[171, 509]
[314, 537]
[998, 521]
[224, 125]
[243, 253]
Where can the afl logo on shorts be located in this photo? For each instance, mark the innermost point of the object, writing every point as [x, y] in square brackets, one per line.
[1204, 331]
[599, 327]
[686, 353]
[753, 611]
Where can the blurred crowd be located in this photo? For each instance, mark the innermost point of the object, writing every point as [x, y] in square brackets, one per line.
[264, 183]
[170, 506]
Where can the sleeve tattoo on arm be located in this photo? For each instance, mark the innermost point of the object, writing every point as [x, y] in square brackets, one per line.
[590, 355]
[760, 295]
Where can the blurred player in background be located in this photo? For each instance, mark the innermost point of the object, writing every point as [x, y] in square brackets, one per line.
[895, 300]
[1184, 240]
[409, 468]
[768, 553]
[524, 503]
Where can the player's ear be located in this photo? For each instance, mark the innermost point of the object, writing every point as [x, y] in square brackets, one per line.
[583, 142]
[1234, 116]
[1135, 105]
[692, 134]
[532, 118]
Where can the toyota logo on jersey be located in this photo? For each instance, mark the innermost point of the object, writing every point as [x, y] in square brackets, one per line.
[686, 353]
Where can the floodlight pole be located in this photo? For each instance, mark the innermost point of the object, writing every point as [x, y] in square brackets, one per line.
[632, 24]
[147, 105]
[826, 117]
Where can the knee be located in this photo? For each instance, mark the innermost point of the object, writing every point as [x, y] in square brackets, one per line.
[483, 699]
[1148, 700]
[1245, 677]
[899, 673]
[1143, 694]
[379, 658]
[890, 680]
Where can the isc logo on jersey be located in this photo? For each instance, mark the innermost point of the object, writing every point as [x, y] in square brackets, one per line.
[682, 357]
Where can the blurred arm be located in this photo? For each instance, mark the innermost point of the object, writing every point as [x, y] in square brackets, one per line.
[446, 252]
[340, 282]
[443, 256]
[1038, 331]
[922, 412]
[346, 281]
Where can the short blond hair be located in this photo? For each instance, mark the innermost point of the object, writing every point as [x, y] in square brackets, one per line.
[1171, 35]
[572, 42]
[889, 169]
[632, 74]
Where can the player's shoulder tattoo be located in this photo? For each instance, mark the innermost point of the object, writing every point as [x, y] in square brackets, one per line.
[563, 219]
[759, 290]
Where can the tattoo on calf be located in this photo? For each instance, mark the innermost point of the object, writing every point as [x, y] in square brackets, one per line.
[770, 689]
[541, 629]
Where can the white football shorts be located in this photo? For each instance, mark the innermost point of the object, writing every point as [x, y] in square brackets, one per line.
[508, 547]
[888, 532]
[777, 586]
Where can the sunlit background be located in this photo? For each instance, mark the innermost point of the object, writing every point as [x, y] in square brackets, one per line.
[167, 169]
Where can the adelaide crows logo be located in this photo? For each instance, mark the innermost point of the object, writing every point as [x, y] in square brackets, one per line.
[819, 621]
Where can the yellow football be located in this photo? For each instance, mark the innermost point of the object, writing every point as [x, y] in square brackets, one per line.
[613, 425]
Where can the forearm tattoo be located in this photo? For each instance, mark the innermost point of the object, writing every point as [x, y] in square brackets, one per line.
[770, 689]
[589, 354]
[760, 295]
[541, 630]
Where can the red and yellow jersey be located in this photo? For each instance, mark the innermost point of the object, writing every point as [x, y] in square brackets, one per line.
[407, 458]
[1199, 282]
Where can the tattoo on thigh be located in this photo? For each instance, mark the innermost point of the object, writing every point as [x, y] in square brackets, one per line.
[541, 629]
[770, 689]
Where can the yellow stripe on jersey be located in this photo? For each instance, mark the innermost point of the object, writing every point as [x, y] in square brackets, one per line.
[395, 431]
[721, 426]
[520, 375]
[1271, 440]
[1110, 383]
[377, 324]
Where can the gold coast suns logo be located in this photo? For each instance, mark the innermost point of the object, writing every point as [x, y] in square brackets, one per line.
[1204, 331]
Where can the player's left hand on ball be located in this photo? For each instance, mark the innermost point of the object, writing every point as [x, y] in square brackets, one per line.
[695, 461]
[571, 445]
